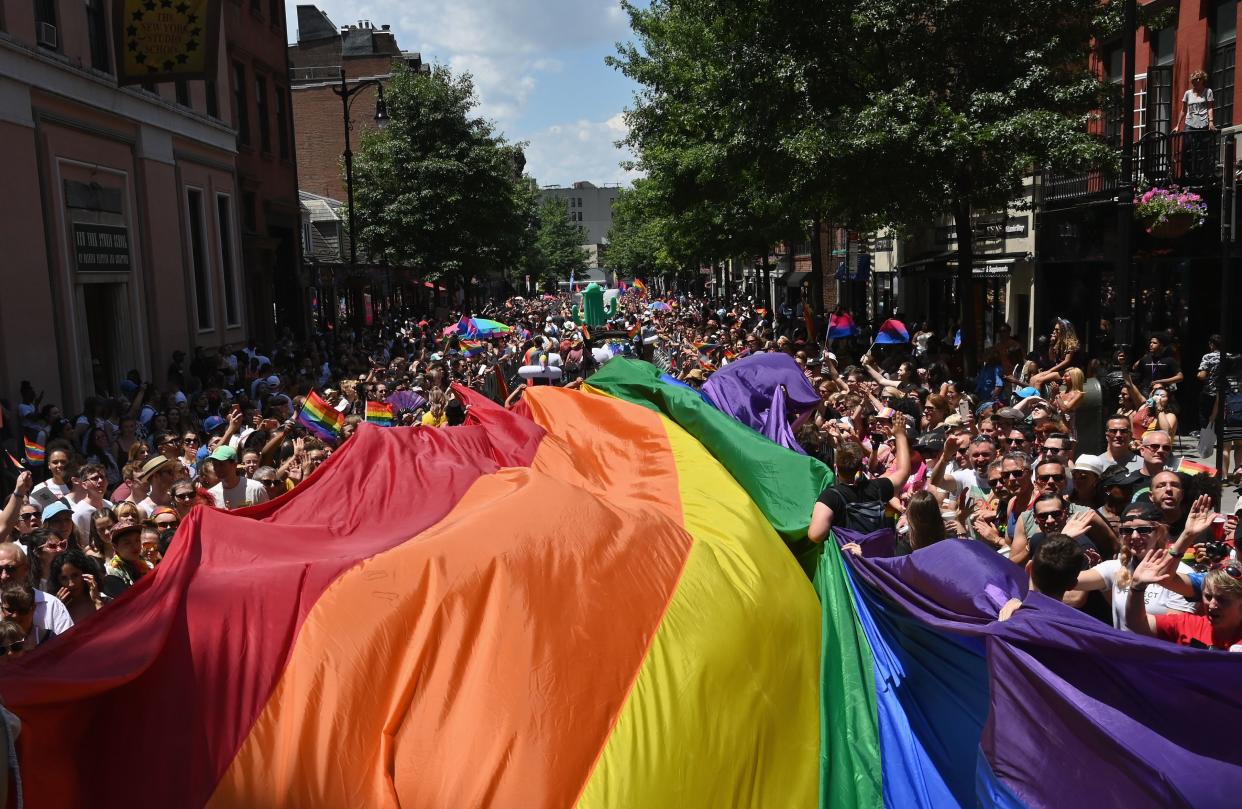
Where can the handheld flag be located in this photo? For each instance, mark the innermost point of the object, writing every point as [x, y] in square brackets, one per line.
[321, 418]
[635, 329]
[841, 326]
[380, 413]
[472, 348]
[35, 453]
[14, 460]
[1185, 466]
[641, 287]
[892, 332]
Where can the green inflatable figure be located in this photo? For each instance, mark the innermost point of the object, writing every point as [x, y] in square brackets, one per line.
[593, 303]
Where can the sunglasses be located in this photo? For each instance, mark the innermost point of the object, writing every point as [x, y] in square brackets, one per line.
[1158, 447]
[28, 517]
[1117, 430]
[163, 526]
[1047, 515]
[1014, 440]
[12, 648]
[190, 440]
[184, 496]
[9, 569]
[56, 545]
[1013, 473]
[1141, 530]
[7, 610]
[1233, 571]
[269, 482]
[1050, 478]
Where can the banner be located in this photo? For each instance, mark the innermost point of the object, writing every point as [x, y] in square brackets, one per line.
[164, 40]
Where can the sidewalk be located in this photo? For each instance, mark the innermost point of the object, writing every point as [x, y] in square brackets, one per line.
[1187, 446]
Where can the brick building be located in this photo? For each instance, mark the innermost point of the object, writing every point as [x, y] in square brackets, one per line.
[318, 60]
[323, 58]
[258, 72]
[120, 212]
[1175, 282]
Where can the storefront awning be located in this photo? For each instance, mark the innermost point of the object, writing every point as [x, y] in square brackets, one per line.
[985, 266]
[795, 279]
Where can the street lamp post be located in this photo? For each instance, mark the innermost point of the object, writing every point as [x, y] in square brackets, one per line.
[347, 95]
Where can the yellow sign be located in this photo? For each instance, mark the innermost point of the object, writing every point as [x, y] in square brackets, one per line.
[162, 40]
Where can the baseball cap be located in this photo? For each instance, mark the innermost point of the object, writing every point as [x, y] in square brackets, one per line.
[954, 420]
[124, 531]
[1027, 392]
[273, 381]
[1090, 463]
[1142, 510]
[153, 465]
[53, 510]
[1009, 414]
[1118, 475]
[224, 453]
[212, 423]
[930, 443]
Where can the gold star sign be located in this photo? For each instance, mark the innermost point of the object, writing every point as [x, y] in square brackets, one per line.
[162, 40]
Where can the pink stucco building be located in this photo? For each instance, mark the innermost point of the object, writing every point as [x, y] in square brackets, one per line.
[119, 209]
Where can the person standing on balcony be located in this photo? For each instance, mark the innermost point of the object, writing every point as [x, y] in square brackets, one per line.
[1198, 119]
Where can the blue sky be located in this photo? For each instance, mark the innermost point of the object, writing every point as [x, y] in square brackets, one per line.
[538, 66]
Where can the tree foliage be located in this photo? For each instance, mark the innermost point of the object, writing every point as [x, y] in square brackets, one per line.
[642, 242]
[437, 189]
[757, 115]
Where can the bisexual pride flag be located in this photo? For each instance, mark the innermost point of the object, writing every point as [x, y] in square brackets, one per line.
[320, 418]
[841, 326]
[892, 332]
[380, 413]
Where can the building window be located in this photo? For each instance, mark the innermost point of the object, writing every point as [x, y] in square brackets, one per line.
[260, 97]
[1114, 62]
[239, 104]
[1224, 44]
[213, 102]
[97, 31]
[1160, 82]
[276, 10]
[182, 88]
[282, 122]
[46, 33]
[228, 263]
[198, 258]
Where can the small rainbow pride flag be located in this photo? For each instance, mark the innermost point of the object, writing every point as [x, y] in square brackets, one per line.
[635, 329]
[321, 418]
[641, 287]
[472, 348]
[36, 454]
[381, 413]
[1188, 467]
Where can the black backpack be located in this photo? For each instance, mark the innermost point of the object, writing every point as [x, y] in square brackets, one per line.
[866, 516]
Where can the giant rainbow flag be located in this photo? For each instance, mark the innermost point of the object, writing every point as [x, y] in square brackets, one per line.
[591, 601]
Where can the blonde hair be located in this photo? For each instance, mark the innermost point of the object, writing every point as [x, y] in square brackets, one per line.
[1076, 378]
[1199, 74]
[1224, 584]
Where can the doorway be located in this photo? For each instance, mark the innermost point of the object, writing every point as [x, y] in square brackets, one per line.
[105, 309]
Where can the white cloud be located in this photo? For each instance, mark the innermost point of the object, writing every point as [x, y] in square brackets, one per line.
[582, 150]
[505, 44]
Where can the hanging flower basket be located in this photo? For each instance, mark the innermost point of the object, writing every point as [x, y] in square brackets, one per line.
[1168, 213]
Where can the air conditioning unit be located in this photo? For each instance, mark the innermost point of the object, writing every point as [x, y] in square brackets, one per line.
[45, 35]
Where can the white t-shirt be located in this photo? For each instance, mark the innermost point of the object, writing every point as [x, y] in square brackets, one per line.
[963, 480]
[51, 618]
[1158, 600]
[82, 513]
[247, 492]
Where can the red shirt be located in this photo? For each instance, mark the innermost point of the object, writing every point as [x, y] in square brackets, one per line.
[1183, 627]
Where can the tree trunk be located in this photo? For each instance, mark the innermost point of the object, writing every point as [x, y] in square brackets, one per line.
[965, 284]
[817, 267]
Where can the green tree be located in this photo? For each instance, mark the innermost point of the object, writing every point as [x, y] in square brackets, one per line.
[558, 244]
[438, 189]
[759, 116]
[642, 242]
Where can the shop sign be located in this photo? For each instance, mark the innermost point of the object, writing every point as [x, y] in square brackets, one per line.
[101, 248]
[989, 230]
[165, 40]
[882, 244]
[990, 270]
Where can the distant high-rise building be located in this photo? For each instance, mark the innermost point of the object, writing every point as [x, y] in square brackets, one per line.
[589, 206]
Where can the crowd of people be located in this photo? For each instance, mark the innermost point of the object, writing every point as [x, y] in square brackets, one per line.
[97, 495]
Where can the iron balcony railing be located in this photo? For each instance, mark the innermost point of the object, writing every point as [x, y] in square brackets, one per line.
[1186, 159]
